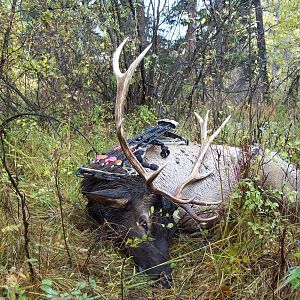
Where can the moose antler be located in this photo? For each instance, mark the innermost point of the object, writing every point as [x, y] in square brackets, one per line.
[123, 80]
[205, 143]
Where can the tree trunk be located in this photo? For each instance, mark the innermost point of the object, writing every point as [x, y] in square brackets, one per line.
[261, 44]
[190, 37]
[138, 12]
[217, 96]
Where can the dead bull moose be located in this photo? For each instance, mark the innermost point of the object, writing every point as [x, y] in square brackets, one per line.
[193, 177]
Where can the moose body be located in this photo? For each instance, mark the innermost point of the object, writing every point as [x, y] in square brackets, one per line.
[227, 165]
[141, 208]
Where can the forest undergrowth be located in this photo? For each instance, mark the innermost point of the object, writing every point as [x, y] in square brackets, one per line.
[252, 254]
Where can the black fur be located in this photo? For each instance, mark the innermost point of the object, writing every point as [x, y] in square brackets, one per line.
[159, 211]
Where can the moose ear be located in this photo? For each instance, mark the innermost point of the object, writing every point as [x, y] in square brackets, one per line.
[106, 198]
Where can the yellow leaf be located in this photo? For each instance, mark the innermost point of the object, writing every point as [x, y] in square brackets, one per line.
[11, 228]
[226, 290]
[12, 280]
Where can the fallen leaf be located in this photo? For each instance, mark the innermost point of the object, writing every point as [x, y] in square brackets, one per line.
[226, 290]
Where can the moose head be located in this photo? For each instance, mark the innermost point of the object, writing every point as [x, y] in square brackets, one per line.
[143, 222]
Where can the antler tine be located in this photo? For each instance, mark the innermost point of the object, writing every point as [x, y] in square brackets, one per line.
[190, 211]
[203, 125]
[123, 79]
[205, 143]
[130, 70]
[116, 59]
[215, 134]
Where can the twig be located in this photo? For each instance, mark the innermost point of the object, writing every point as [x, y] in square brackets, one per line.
[60, 198]
[24, 209]
[6, 37]
[92, 247]
[40, 247]
[122, 280]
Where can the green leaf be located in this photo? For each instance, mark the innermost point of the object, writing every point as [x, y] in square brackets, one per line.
[151, 210]
[47, 282]
[32, 260]
[49, 290]
[176, 214]
[170, 225]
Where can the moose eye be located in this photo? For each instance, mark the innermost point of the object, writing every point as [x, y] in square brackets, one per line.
[143, 222]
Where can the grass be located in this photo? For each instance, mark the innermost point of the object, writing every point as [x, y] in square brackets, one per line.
[244, 257]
